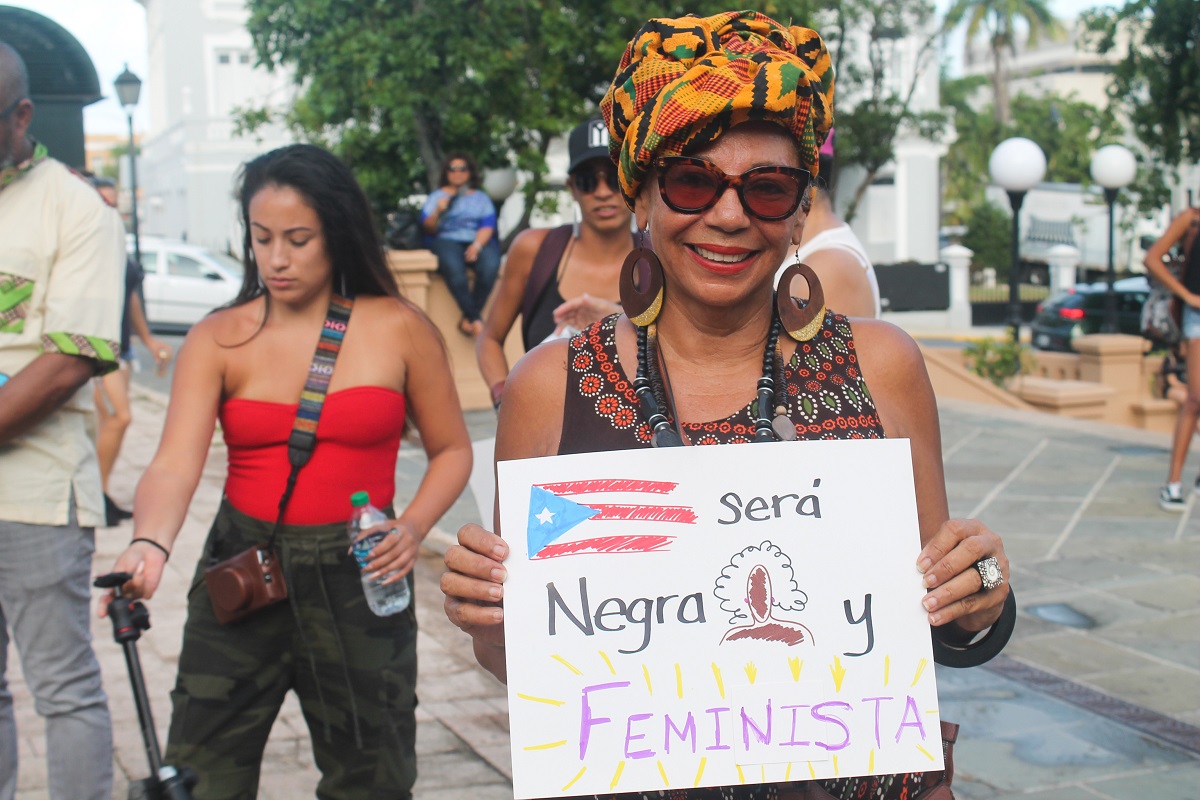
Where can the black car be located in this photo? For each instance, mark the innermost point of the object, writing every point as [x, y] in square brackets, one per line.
[1080, 311]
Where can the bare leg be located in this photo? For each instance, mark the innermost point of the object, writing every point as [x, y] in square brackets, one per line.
[113, 387]
[1189, 413]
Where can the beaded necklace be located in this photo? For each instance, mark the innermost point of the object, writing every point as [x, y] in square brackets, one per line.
[654, 398]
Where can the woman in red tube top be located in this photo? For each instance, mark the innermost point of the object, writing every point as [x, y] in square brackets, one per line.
[309, 241]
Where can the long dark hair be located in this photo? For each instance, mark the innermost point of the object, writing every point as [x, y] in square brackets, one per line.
[472, 169]
[327, 185]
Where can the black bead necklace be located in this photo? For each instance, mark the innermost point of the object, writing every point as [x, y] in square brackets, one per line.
[772, 391]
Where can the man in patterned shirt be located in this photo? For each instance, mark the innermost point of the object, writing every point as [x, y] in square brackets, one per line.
[62, 261]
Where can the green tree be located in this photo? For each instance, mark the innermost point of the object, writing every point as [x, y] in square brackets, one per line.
[965, 166]
[1000, 20]
[394, 85]
[988, 235]
[1067, 129]
[1157, 81]
[871, 109]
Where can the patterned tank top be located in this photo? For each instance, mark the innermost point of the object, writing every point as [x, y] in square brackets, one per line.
[827, 397]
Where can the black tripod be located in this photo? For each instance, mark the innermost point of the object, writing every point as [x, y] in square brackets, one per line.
[129, 619]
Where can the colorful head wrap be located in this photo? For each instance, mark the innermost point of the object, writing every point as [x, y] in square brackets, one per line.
[684, 82]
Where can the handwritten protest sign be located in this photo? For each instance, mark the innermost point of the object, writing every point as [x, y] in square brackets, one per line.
[709, 616]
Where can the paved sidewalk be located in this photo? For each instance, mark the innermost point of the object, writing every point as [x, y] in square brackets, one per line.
[1096, 697]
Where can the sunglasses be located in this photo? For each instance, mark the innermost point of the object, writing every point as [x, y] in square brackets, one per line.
[692, 185]
[458, 168]
[588, 180]
[8, 112]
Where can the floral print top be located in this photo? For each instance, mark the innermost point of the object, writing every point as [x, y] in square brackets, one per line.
[827, 397]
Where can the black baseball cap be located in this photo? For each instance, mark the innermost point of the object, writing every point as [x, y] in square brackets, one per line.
[587, 141]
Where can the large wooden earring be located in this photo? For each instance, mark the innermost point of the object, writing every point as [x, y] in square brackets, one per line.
[801, 323]
[641, 285]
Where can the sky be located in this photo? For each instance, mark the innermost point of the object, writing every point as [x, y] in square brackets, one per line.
[114, 33]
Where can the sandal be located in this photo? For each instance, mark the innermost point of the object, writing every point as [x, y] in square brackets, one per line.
[466, 327]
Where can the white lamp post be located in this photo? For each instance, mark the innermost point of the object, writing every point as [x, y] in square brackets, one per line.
[129, 87]
[1016, 166]
[499, 184]
[1113, 167]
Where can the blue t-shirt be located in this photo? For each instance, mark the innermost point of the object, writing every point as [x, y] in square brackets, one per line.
[465, 215]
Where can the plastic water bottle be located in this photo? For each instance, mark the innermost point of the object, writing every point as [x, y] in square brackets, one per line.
[383, 599]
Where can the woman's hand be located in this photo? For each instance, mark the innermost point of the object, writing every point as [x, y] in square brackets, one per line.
[956, 587]
[444, 201]
[474, 585]
[1192, 299]
[472, 253]
[580, 312]
[395, 554]
[145, 563]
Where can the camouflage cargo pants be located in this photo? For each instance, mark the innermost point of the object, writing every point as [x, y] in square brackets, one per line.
[353, 672]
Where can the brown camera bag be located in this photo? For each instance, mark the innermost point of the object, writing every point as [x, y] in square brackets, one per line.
[253, 579]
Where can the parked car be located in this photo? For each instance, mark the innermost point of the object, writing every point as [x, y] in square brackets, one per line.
[1080, 311]
[184, 282]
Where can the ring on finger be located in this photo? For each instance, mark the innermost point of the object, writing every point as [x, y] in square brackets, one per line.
[989, 572]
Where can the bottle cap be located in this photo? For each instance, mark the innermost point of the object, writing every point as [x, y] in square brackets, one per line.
[359, 499]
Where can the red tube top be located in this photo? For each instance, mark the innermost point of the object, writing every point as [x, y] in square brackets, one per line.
[358, 437]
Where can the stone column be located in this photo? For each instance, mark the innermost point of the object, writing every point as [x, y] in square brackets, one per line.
[1115, 360]
[416, 274]
[1063, 259]
[959, 259]
[413, 271]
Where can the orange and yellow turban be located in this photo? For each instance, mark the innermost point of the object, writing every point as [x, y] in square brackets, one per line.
[683, 82]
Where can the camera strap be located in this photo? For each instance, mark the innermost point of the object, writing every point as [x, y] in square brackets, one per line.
[304, 430]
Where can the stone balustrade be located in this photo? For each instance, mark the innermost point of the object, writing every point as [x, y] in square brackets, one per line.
[416, 273]
[1110, 378]
[1132, 378]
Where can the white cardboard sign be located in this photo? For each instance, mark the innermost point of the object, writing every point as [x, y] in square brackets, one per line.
[710, 616]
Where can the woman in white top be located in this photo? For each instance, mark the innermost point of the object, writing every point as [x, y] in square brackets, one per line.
[833, 251]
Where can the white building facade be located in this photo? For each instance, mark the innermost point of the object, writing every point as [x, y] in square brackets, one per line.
[1048, 66]
[899, 217]
[203, 65]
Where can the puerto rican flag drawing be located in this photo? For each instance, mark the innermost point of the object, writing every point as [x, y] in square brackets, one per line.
[608, 515]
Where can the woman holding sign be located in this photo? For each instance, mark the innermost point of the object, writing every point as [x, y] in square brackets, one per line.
[715, 126]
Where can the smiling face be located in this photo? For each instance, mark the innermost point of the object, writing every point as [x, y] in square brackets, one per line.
[723, 256]
[289, 245]
[602, 208]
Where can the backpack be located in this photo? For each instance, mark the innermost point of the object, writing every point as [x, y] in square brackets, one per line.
[1162, 314]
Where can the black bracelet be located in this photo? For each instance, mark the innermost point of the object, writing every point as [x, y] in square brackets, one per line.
[950, 651]
[165, 551]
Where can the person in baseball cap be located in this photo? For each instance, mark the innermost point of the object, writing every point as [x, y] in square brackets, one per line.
[561, 280]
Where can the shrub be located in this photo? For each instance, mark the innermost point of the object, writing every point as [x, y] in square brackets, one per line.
[996, 360]
[989, 236]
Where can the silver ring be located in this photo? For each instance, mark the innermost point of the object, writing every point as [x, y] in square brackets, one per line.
[989, 572]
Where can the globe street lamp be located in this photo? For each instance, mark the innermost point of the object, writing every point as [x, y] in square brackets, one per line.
[1113, 167]
[1016, 166]
[128, 87]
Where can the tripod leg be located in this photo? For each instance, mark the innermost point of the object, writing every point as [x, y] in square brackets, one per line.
[142, 701]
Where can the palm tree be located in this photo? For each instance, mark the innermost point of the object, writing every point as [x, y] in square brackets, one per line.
[999, 18]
